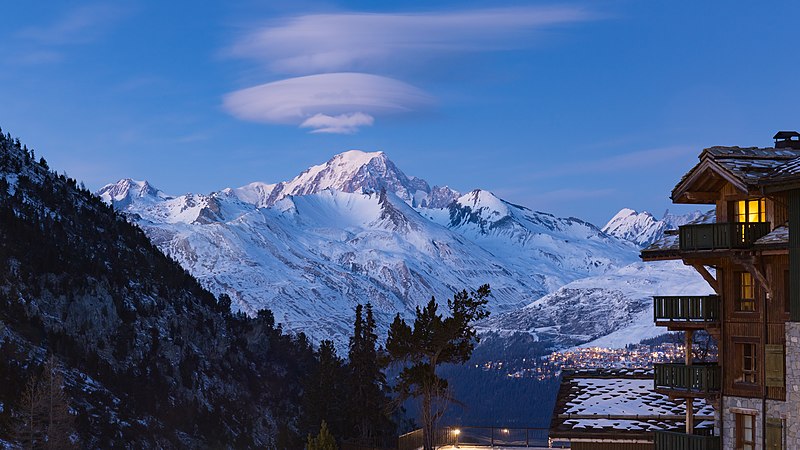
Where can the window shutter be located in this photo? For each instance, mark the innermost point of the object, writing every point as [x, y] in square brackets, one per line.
[774, 369]
[774, 434]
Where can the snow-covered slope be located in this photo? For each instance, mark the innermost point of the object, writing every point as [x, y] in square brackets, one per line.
[357, 229]
[643, 229]
[609, 310]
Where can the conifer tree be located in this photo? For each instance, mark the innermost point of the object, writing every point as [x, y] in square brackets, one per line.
[369, 401]
[435, 340]
[325, 398]
[323, 441]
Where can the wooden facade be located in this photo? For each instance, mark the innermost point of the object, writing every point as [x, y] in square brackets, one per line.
[756, 269]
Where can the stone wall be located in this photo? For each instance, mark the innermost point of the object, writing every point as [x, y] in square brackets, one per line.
[792, 423]
[789, 410]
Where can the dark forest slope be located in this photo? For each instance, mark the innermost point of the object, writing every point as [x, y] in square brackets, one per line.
[151, 358]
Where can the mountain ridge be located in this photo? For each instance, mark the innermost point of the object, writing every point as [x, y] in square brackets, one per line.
[357, 227]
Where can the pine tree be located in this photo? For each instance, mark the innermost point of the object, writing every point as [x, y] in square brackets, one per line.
[433, 341]
[369, 401]
[324, 394]
[323, 441]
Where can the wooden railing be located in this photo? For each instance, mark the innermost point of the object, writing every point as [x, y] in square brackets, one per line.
[686, 308]
[697, 378]
[670, 440]
[479, 437]
[717, 236]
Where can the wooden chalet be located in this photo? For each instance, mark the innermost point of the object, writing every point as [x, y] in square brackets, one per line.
[750, 256]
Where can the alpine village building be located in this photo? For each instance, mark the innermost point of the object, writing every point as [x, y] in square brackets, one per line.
[751, 258]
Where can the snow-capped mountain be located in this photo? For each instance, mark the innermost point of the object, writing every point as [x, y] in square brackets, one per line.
[127, 191]
[611, 310]
[615, 308]
[358, 229]
[357, 171]
[643, 229]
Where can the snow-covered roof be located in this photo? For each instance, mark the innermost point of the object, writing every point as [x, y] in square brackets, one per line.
[778, 236]
[744, 167]
[622, 404]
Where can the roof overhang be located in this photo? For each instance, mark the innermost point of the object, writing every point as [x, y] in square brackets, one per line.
[701, 185]
[780, 185]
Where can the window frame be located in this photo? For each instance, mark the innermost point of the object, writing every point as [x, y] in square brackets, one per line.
[750, 378]
[760, 214]
[745, 304]
[741, 420]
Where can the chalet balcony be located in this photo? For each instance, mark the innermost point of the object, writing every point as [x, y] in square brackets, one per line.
[697, 380]
[670, 440]
[721, 236]
[683, 312]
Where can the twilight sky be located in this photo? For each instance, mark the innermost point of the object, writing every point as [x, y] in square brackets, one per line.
[575, 108]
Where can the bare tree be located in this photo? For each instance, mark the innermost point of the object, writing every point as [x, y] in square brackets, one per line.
[44, 421]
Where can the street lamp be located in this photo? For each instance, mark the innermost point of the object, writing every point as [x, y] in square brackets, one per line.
[456, 432]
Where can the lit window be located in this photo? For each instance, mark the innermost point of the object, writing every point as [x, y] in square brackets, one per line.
[747, 295]
[749, 211]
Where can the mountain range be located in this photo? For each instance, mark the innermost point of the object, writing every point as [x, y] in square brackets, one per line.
[357, 229]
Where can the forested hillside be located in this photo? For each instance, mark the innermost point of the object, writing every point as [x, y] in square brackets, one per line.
[150, 359]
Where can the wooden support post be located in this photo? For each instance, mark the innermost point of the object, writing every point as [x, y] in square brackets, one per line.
[794, 254]
[689, 334]
[701, 269]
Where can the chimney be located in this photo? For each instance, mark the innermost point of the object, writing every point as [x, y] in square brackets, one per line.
[787, 139]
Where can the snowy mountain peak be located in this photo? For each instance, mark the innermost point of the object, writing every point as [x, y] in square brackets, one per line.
[479, 198]
[356, 158]
[127, 190]
[256, 193]
[353, 171]
[440, 197]
[642, 228]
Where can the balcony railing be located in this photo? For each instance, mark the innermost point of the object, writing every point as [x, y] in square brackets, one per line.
[718, 236]
[670, 440]
[686, 308]
[694, 379]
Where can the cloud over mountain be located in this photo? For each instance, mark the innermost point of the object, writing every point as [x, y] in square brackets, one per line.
[334, 56]
[336, 42]
[326, 103]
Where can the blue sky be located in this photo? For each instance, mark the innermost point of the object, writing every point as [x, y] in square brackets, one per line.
[575, 108]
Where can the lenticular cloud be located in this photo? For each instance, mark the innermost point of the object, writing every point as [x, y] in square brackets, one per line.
[326, 103]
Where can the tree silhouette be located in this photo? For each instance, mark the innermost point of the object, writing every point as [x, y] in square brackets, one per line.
[45, 421]
[435, 340]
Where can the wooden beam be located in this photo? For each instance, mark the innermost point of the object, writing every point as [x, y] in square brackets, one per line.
[699, 196]
[701, 269]
[748, 264]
